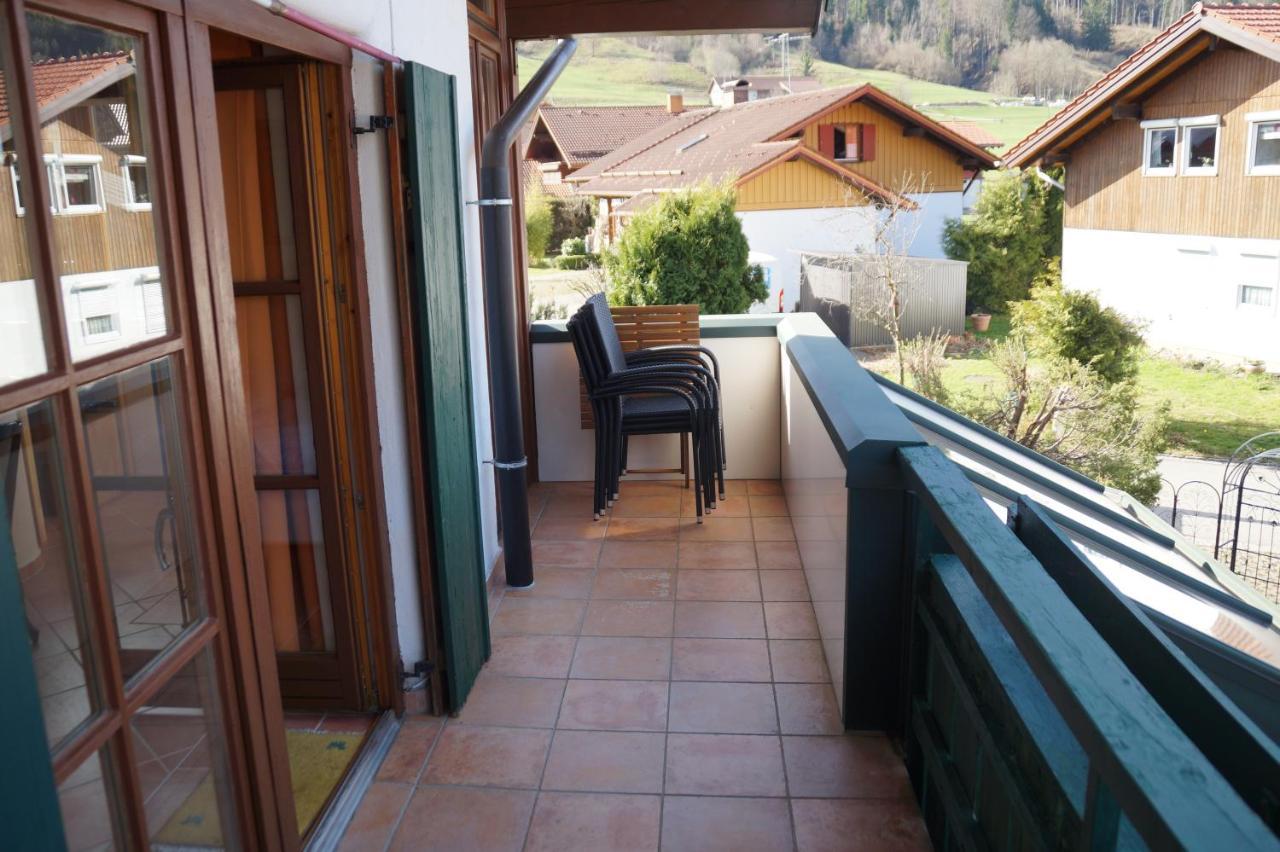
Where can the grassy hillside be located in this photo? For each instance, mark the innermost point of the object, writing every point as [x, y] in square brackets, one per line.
[612, 71]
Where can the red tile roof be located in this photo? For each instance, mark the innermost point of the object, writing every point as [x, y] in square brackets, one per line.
[975, 133]
[1259, 21]
[587, 133]
[716, 144]
[55, 78]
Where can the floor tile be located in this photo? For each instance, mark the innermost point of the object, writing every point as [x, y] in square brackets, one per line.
[772, 529]
[376, 817]
[768, 506]
[790, 620]
[715, 619]
[445, 819]
[762, 487]
[720, 660]
[571, 506]
[537, 616]
[519, 702]
[572, 821]
[605, 762]
[808, 708]
[816, 528]
[644, 529]
[498, 757]
[614, 705]
[628, 618]
[853, 766]
[697, 585]
[716, 528]
[569, 529]
[707, 824]
[573, 583]
[408, 753]
[713, 555]
[735, 487]
[778, 556]
[665, 505]
[724, 764]
[634, 584]
[638, 554]
[566, 554]
[892, 826]
[651, 487]
[621, 658]
[783, 586]
[731, 506]
[531, 656]
[798, 661]
[722, 708]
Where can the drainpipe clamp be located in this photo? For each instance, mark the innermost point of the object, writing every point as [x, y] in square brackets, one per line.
[491, 202]
[515, 465]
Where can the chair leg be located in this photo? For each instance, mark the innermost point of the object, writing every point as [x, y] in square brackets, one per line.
[684, 457]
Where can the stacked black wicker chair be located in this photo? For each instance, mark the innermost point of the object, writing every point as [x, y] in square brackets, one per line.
[656, 391]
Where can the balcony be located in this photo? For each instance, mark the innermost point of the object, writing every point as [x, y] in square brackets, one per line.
[898, 630]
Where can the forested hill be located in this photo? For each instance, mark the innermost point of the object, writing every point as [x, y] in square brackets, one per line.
[1049, 48]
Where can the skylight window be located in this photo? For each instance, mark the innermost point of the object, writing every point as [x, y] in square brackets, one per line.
[694, 141]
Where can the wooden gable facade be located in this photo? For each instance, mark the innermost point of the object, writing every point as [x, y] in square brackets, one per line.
[1106, 187]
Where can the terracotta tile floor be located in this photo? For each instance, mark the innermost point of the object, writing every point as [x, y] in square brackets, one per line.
[661, 686]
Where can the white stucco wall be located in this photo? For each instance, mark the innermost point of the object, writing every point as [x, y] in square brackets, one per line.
[784, 234]
[1187, 289]
[434, 34]
[749, 383]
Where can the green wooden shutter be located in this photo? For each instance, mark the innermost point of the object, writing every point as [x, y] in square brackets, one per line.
[439, 291]
[28, 797]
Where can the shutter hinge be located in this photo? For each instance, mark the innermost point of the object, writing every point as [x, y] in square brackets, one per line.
[376, 122]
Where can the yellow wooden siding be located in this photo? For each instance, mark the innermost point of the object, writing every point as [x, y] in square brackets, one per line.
[795, 184]
[1107, 190]
[897, 156]
[14, 261]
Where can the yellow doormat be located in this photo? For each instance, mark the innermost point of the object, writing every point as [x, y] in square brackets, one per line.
[317, 761]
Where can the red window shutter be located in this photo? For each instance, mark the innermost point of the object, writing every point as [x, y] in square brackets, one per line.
[827, 140]
[867, 145]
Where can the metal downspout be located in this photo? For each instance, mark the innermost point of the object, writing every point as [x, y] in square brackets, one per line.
[500, 313]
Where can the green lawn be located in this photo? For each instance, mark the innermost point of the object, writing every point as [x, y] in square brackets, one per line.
[611, 71]
[1212, 410]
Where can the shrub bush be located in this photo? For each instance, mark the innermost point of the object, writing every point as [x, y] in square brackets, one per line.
[1073, 325]
[537, 221]
[573, 245]
[570, 217]
[1016, 226]
[577, 261]
[686, 249]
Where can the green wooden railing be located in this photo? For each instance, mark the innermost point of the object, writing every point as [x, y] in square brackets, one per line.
[1037, 706]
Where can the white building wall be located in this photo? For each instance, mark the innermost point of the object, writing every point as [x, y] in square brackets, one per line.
[1187, 289]
[434, 34]
[784, 234]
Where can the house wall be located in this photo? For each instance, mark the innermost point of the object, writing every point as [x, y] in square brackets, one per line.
[783, 234]
[798, 184]
[1186, 288]
[435, 35]
[896, 155]
[1105, 184]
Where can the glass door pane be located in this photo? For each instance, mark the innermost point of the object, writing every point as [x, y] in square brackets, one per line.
[95, 157]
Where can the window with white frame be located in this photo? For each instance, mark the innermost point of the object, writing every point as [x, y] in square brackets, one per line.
[76, 181]
[137, 182]
[1257, 296]
[1264, 143]
[1159, 147]
[1200, 145]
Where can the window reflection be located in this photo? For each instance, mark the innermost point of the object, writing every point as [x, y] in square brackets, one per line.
[95, 161]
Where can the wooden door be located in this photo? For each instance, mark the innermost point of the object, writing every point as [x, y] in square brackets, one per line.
[294, 410]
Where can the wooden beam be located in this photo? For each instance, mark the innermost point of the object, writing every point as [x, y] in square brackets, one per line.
[1129, 112]
[528, 19]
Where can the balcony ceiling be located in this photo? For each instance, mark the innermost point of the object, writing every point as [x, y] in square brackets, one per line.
[527, 19]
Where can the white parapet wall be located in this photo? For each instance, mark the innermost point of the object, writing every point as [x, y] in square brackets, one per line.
[1206, 296]
[749, 364]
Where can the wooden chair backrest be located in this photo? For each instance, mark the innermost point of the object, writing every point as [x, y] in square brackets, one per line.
[645, 326]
